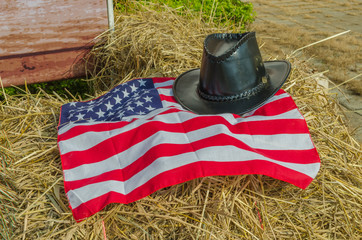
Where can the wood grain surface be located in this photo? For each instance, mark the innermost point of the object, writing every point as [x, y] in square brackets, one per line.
[44, 40]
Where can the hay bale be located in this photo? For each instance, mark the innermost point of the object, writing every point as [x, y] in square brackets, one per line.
[34, 205]
[146, 44]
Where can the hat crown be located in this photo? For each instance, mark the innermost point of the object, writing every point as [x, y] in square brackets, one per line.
[231, 66]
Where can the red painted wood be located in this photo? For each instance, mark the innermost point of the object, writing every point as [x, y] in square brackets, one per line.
[44, 40]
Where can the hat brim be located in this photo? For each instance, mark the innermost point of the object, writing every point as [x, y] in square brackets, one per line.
[185, 91]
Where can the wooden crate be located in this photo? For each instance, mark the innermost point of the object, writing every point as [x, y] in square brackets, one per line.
[44, 40]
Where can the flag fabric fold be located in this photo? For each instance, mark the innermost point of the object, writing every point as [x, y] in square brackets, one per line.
[136, 139]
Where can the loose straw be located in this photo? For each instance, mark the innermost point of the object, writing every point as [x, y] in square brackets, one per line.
[323, 40]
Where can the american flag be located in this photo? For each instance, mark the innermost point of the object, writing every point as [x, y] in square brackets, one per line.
[136, 139]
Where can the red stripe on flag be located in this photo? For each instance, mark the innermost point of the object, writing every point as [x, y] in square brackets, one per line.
[167, 98]
[276, 107]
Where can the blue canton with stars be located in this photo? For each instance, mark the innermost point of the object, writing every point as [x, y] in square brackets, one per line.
[136, 97]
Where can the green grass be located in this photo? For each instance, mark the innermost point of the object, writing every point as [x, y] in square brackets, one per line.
[230, 12]
[68, 89]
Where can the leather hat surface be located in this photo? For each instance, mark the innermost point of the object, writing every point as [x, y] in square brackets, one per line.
[233, 77]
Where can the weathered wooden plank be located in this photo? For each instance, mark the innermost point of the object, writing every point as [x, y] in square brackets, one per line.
[43, 40]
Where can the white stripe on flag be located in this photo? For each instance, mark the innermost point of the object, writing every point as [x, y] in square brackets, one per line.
[164, 84]
[277, 97]
[292, 114]
[168, 104]
[165, 91]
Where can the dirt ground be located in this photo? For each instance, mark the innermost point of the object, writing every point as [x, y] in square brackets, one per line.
[286, 25]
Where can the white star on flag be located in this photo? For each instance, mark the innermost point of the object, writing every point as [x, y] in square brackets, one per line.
[142, 82]
[100, 113]
[141, 113]
[109, 105]
[125, 93]
[117, 99]
[73, 104]
[133, 88]
[80, 116]
[148, 99]
[150, 108]
[91, 120]
[139, 103]
[129, 108]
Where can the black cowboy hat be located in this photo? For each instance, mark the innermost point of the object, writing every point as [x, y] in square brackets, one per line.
[233, 77]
